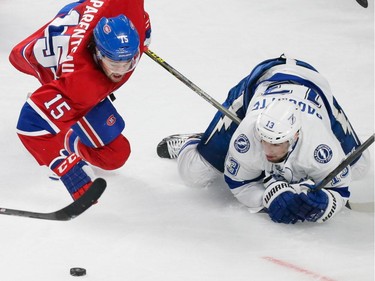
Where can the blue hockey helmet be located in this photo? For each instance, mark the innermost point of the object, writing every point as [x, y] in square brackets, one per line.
[116, 38]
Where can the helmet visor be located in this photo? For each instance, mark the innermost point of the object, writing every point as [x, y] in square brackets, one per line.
[119, 67]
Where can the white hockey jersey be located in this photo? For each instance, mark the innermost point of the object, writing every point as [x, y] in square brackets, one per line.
[315, 154]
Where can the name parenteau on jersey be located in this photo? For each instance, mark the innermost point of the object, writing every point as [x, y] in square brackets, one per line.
[79, 32]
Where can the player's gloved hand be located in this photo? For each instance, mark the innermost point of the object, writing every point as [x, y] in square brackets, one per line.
[76, 175]
[317, 205]
[304, 186]
[147, 41]
[314, 205]
[282, 201]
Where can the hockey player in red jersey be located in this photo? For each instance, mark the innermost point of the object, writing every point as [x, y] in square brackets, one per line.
[84, 54]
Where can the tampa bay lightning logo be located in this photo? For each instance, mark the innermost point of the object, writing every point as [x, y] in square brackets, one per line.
[282, 173]
[242, 144]
[323, 153]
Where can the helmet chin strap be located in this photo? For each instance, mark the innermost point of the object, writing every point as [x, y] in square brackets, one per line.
[98, 55]
[98, 58]
[292, 145]
[293, 142]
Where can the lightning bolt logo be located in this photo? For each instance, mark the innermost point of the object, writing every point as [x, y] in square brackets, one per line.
[346, 126]
[226, 121]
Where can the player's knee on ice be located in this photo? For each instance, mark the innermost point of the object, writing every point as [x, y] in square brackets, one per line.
[194, 170]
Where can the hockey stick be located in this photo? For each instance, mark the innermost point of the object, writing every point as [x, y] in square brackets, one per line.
[69, 212]
[346, 162]
[192, 86]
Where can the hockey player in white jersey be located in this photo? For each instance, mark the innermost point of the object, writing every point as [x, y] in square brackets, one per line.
[293, 133]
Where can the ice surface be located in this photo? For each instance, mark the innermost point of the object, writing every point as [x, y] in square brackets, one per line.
[148, 225]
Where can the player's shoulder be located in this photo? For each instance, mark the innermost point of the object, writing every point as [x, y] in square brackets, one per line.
[318, 155]
[320, 147]
[245, 141]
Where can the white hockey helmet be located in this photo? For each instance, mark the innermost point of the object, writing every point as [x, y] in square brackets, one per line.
[279, 122]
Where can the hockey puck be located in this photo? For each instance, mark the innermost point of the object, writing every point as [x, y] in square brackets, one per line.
[77, 271]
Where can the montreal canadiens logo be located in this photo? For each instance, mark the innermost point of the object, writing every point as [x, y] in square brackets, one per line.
[323, 153]
[111, 120]
[242, 144]
[106, 29]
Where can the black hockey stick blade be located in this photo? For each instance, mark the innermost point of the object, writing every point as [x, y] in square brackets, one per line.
[363, 3]
[346, 162]
[69, 212]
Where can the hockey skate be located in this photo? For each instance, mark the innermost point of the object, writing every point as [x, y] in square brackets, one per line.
[170, 146]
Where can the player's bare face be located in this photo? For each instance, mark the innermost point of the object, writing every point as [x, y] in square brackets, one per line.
[115, 70]
[275, 152]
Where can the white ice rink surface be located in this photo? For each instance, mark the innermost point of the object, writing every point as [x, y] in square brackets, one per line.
[147, 225]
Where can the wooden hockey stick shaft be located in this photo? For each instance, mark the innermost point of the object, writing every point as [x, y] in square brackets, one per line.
[192, 86]
[346, 162]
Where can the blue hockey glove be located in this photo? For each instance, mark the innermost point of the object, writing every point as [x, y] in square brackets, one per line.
[75, 174]
[282, 201]
[314, 204]
[321, 205]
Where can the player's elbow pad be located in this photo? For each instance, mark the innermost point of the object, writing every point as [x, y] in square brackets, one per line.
[250, 195]
[100, 126]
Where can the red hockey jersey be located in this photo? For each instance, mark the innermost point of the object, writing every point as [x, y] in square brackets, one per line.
[58, 56]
